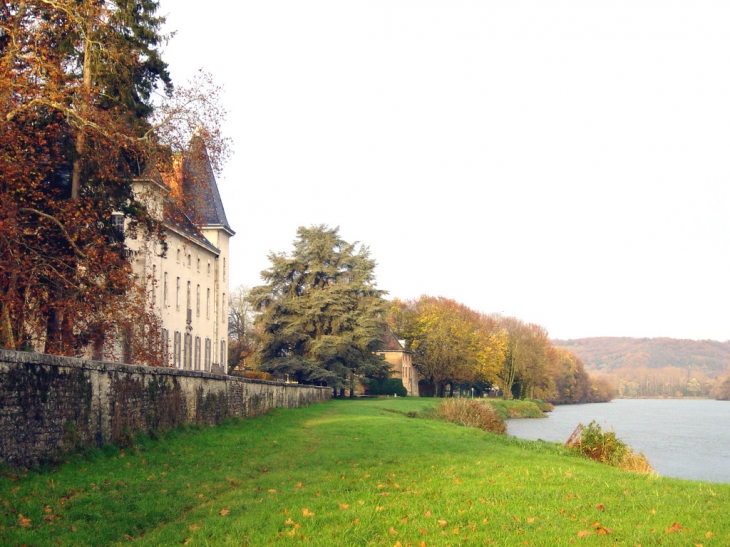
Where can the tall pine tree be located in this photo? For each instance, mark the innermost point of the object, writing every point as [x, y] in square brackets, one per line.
[321, 315]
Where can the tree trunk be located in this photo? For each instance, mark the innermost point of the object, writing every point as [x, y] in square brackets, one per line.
[53, 332]
[81, 136]
[7, 340]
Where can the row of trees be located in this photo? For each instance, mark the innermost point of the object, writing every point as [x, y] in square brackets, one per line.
[320, 318]
[87, 104]
[457, 346]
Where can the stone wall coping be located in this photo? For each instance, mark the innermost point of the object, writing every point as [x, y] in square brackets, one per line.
[27, 357]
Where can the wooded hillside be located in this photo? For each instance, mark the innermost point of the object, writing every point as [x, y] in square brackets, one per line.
[607, 354]
[657, 367]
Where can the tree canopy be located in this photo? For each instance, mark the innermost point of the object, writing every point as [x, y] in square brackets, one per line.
[320, 312]
[80, 123]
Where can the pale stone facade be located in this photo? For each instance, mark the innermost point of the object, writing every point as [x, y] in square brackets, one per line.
[401, 360]
[188, 283]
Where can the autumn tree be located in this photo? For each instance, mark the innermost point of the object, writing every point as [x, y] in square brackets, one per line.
[320, 312]
[242, 333]
[453, 343]
[77, 79]
[526, 368]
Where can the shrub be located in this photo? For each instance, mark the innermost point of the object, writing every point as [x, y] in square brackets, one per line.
[471, 413]
[257, 375]
[391, 386]
[603, 446]
[544, 405]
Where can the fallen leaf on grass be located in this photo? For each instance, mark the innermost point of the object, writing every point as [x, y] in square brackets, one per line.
[601, 531]
[404, 520]
[442, 523]
[599, 507]
[195, 527]
[709, 535]
[47, 509]
[272, 491]
[344, 506]
[298, 485]
[393, 531]
[224, 512]
[361, 502]
[379, 508]
[583, 533]
[398, 544]
[428, 513]
[23, 521]
[675, 527]
[306, 512]
[289, 521]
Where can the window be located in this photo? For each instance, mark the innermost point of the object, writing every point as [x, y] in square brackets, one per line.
[207, 305]
[176, 350]
[207, 354]
[165, 348]
[188, 351]
[198, 263]
[190, 259]
[178, 255]
[224, 355]
[164, 289]
[177, 294]
[223, 308]
[224, 267]
[188, 302]
[117, 222]
[197, 302]
[154, 284]
[209, 267]
[197, 353]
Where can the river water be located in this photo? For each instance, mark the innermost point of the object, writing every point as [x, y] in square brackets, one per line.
[688, 439]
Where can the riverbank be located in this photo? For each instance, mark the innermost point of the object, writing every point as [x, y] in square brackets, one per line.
[352, 473]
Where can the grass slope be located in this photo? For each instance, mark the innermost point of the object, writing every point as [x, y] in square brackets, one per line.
[353, 473]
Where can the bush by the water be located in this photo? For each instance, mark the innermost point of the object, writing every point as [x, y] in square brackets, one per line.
[471, 413]
[603, 446]
[391, 386]
[544, 405]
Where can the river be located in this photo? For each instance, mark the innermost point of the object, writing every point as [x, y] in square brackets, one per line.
[688, 439]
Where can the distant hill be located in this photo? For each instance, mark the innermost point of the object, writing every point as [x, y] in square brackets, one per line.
[607, 354]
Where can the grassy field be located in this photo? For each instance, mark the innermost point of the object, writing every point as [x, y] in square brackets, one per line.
[352, 473]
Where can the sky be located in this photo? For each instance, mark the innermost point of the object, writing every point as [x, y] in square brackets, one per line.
[565, 162]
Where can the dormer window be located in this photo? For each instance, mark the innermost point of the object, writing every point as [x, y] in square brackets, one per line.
[117, 222]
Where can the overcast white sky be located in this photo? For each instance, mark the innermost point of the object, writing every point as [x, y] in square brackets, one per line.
[566, 162]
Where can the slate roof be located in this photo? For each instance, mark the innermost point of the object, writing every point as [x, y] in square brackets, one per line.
[200, 185]
[390, 342]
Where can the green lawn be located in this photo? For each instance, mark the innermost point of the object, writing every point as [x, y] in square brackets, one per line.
[353, 473]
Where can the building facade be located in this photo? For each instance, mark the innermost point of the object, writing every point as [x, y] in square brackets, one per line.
[401, 362]
[187, 276]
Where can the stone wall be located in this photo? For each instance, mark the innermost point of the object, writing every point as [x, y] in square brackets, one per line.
[50, 404]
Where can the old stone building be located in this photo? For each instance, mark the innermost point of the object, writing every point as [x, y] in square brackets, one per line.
[401, 360]
[188, 281]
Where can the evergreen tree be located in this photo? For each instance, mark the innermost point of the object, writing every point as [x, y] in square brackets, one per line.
[320, 311]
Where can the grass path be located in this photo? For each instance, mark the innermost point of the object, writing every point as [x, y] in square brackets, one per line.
[352, 473]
